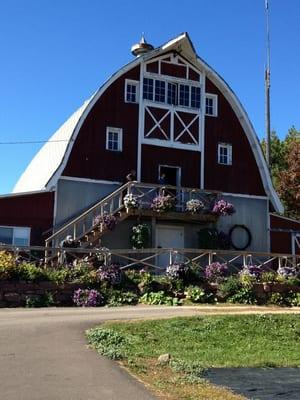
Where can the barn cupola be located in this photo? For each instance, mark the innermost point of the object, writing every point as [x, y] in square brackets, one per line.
[141, 48]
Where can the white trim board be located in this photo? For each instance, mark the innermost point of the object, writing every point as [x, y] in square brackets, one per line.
[250, 196]
[287, 218]
[74, 178]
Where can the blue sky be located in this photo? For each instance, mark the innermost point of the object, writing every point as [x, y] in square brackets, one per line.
[55, 54]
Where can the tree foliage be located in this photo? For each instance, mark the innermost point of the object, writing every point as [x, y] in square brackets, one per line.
[285, 169]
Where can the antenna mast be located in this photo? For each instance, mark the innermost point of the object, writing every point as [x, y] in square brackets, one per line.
[267, 90]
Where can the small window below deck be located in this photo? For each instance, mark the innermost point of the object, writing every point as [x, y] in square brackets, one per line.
[114, 139]
[224, 154]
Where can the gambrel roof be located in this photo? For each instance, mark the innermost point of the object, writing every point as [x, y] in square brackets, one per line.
[47, 166]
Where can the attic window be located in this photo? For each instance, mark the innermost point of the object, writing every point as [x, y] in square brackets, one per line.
[131, 91]
[224, 153]
[15, 236]
[114, 139]
[211, 105]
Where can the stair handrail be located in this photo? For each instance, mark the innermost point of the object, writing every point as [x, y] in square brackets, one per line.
[85, 213]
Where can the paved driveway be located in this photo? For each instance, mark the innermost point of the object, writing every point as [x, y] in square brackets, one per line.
[43, 354]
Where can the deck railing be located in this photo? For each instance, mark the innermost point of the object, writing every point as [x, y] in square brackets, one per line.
[156, 260]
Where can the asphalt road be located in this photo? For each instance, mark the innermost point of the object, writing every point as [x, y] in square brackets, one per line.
[43, 353]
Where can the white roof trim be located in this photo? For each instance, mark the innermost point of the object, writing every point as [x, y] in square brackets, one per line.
[182, 43]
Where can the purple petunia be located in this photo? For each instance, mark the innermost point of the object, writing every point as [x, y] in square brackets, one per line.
[216, 272]
[87, 298]
[223, 208]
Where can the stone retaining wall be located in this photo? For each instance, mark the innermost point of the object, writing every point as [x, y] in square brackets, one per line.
[14, 294]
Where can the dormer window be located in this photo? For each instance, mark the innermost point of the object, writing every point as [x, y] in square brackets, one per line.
[211, 105]
[131, 91]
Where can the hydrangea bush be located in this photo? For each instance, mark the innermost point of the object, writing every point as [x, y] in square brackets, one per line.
[194, 206]
[110, 274]
[223, 208]
[87, 298]
[176, 271]
[163, 203]
[216, 272]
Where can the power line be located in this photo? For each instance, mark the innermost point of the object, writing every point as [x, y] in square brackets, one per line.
[37, 141]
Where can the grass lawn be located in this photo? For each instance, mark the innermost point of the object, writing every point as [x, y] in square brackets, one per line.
[197, 343]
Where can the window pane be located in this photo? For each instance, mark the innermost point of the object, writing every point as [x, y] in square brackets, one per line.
[195, 97]
[160, 91]
[21, 236]
[172, 93]
[131, 93]
[184, 95]
[209, 108]
[148, 89]
[6, 235]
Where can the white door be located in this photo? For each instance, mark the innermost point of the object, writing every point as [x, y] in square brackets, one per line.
[169, 237]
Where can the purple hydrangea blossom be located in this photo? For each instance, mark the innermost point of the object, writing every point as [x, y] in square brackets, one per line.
[108, 220]
[223, 208]
[87, 298]
[110, 274]
[216, 272]
[252, 270]
[162, 203]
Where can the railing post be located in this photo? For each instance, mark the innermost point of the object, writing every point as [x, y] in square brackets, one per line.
[170, 257]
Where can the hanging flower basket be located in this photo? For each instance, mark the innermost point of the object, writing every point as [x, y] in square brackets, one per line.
[194, 206]
[131, 202]
[223, 208]
[162, 203]
[108, 221]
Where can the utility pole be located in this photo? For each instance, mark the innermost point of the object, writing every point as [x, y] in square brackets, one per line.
[267, 91]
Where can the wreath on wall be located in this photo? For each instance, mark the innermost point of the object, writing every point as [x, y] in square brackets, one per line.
[249, 237]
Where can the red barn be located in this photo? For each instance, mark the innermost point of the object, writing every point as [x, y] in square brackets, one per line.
[166, 112]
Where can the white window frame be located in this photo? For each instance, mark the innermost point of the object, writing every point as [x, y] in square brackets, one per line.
[132, 83]
[227, 146]
[25, 228]
[214, 98]
[119, 131]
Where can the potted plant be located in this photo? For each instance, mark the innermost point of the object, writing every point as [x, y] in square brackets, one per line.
[131, 202]
[223, 208]
[194, 206]
[163, 203]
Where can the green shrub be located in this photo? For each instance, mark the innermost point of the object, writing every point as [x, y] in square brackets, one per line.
[159, 298]
[268, 277]
[278, 299]
[245, 295]
[107, 342]
[198, 295]
[30, 272]
[8, 268]
[295, 299]
[118, 298]
[229, 287]
[45, 300]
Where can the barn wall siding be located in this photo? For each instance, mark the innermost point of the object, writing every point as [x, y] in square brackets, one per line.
[74, 197]
[253, 213]
[88, 158]
[31, 210]
[243, 175]
[281, 242]
[189, 161]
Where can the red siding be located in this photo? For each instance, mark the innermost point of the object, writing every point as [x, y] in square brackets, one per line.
[243, 176]
[31, 210]
[281, 242]
[189, 161]
[88, 158]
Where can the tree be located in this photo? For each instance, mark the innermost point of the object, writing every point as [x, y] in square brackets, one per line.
[285, 169]
[289, 180]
